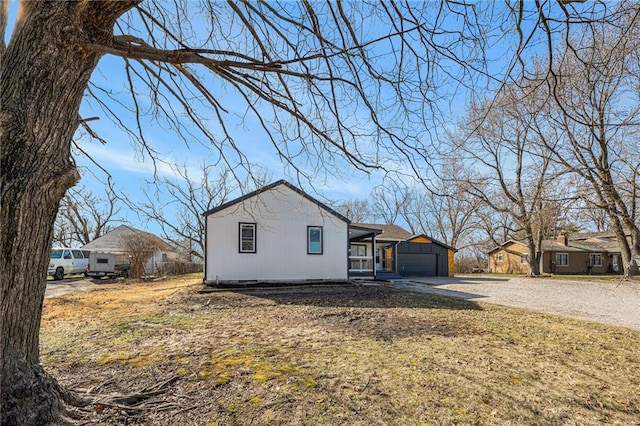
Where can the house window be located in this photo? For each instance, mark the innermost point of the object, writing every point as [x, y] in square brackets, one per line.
[500, 258]
[359, 250]
[595, 259]
[562, 259]
[358, 260]
[247, 237]
[615, 262]
[523, 259]
[314, 239]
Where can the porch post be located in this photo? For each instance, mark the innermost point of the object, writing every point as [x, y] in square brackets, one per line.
[373, 253]
[395, 258]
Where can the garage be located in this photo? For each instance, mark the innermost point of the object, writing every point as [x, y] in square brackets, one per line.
[422, 257]
[422, 265]
[389, 252]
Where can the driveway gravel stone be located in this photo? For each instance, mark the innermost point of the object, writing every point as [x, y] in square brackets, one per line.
[609, 303]
[68, 286]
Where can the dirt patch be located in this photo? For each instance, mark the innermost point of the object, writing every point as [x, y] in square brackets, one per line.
[164, 354]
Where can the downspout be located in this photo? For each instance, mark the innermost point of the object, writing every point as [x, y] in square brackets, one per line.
[395, 257]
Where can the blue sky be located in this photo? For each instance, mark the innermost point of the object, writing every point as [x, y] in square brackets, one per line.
[131, 167]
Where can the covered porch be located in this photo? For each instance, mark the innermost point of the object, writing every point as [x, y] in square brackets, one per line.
[368, 258]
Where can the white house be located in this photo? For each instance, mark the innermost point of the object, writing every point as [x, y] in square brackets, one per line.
[277, 233]
[117, 241]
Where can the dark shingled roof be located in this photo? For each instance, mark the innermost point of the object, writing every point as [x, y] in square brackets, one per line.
[389, 232]
[601, 242]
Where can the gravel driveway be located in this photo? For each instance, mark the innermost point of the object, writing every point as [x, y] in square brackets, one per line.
[596, 301]
[68, 286]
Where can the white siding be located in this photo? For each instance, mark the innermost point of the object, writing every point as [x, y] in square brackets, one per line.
[281, 216]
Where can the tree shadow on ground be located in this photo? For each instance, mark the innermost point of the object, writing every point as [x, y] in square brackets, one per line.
[357, 296]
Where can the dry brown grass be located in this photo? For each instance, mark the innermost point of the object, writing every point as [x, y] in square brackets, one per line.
[335, 355]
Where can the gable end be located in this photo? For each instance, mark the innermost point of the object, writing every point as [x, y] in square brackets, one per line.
[270, 187]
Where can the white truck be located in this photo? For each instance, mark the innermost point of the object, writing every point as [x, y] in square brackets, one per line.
[64, 260]
[105, 264]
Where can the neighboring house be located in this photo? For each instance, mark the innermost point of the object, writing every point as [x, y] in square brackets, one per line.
[397, 251]
[276, 233]
[588, 253]
[509, 258]
[120, 239]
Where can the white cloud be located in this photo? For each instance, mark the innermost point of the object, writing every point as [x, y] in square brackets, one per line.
[118, 158]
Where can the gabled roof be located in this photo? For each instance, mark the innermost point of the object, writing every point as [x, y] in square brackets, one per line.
[112, 240]
[504, 245]
[358, 233]
[553, 245]
[269, 188]
[589, 245]
[587, 235]
[433, 240]
[603, 235]
[389, 232]
[396, 233]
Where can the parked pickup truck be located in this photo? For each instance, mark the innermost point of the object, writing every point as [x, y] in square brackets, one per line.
[112, 265]
[63, 261]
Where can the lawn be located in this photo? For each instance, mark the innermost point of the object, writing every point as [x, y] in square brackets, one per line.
[164, 354]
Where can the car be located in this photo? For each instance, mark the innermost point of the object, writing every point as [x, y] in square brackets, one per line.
[64, 260]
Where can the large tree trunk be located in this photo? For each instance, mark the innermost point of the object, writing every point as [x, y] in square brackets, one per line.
[45, 70]
[534, 264]
[633, 253]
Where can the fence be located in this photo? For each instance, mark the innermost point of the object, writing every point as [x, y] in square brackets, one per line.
[177, 268]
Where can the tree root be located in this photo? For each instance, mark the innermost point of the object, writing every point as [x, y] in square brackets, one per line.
[132, 405]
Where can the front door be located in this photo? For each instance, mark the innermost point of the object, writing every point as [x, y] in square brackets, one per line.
[387, 259]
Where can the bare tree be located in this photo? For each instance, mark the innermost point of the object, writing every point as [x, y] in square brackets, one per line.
[446, 210]
[496, 226]
[83, 216]
[594, 108]
[356, 210]
[508, 139]
[177, 205]
[585, 209]
[389, 200]
[140, 248]
[320, 89]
